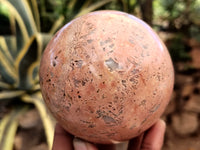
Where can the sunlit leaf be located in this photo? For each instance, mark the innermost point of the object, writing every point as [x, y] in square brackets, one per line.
[32, 71]
[70, 8]
[11, 43]
[3, 124]
[7, 68]
[18, 18]
[42, 7]
[18, 63]
[7, 142]
[4, 10]
[45, 39]
[36, 87]
[24, 51]
[31, 75]
[39, 45]
[5, 50]
[8, 128]
[4, 85]
[10, 94]
[25, 13]
[85, 5]
[36, 14]
[12, 23]
[72, 4]
[93, 7]
[56, 25]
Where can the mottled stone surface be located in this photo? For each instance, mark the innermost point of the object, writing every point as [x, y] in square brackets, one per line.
[106, 77]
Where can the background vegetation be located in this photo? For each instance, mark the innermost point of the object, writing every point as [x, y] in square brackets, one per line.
[26, 26]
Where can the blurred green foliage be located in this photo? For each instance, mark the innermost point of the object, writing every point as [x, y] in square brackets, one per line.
[182, 19]
[21, 47]
[179, 16]
[178, 49]
[51, 10]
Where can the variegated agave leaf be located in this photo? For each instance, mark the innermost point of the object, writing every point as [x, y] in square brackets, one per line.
[20, 55]
[8, 127]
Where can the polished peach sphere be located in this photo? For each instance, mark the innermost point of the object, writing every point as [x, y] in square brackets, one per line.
[106, 77]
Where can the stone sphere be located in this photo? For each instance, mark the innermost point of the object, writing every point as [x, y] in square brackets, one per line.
[106, 77]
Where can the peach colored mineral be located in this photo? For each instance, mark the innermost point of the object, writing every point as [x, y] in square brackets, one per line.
[106, 77]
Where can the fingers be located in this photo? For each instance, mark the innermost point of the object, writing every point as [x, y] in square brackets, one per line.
[135, 143]
[151, 140]
[62, 139]
[65, 141]
[83, 145]
[154, 138]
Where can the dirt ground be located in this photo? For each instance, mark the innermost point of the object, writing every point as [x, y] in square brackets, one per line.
[182, 114]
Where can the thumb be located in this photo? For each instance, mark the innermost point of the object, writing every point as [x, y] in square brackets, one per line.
[153, 139]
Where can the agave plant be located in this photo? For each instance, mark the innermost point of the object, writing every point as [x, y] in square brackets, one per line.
[20, 54]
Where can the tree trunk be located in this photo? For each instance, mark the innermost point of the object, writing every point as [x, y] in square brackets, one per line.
[146, 8]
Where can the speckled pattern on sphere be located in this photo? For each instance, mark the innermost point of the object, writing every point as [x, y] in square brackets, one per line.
[106, 77]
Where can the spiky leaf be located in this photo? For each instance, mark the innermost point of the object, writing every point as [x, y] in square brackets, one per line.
[8, 128]
[45, 116]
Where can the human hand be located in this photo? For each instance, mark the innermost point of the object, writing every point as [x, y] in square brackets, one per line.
[152, 139]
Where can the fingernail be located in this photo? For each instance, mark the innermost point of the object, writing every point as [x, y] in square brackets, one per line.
[79, 144]
[83, 145]
[162, 122]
